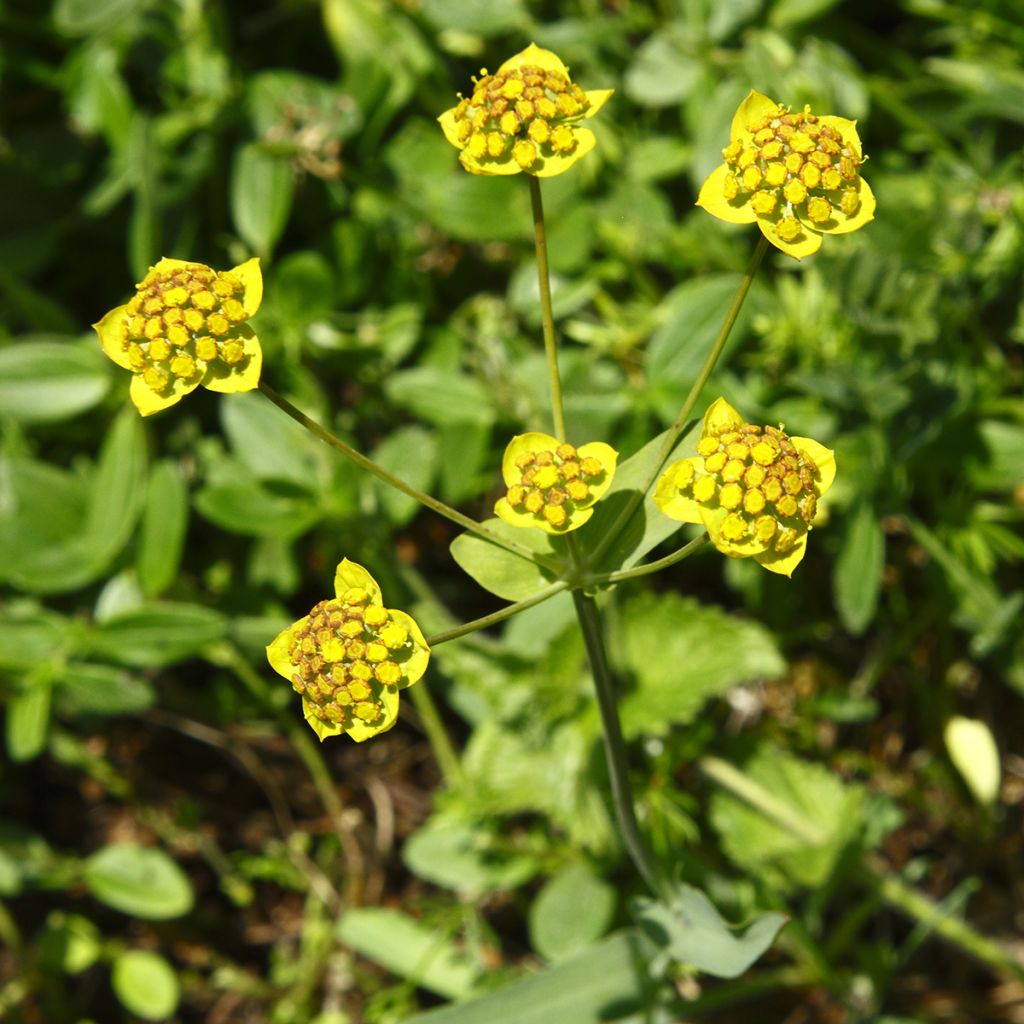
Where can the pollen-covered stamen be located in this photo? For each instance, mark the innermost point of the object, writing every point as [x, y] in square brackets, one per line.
[179, 321]
[527, 112]
[767, 485]
[347, 652]
[795, 168]
[554, 483]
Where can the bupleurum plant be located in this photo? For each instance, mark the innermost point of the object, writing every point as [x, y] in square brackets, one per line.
[753, 489]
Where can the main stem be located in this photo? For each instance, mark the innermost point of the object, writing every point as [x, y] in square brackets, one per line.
[547, 315]
[381, 473]
[691, 400]
[615, 748]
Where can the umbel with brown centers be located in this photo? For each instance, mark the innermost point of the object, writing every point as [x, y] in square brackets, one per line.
[349, 657]
[796, 173]
[755, 489]
[185, 327]
[553, 485]
[524, 117]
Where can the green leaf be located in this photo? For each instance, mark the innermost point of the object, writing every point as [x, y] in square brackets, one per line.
[86, 689]
[28, 718]
[457, 856]
[480, 17]
[647, 527]
[682, 654]
[441, 397]
[690, 931]
[146, 984]
[501, 572]
[139, 881]
[262, 185]
[858, 576]
[692, 316]
[30, 635]
[43, 379]
[86, 17]
[573, 910]
[663, 73]
[158, 634]
[600, 985]
[164, 522]
[410, 453]
[118, 489]
[70, 943]
[831, 816]
[409, 949]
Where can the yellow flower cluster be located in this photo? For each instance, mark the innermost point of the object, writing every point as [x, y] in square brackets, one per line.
[349, 658]
[523, 118]
[552, 485]
[796, 174]
[755, 489]
[186, 326]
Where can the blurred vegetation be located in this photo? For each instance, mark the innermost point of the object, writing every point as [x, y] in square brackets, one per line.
[173, 845]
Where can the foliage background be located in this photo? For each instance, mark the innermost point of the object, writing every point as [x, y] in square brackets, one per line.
[172, 845]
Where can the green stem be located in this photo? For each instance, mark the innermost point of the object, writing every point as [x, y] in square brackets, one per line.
[872, 871]
[615, 748]
[499, 616]
[433, 726]
[546, 313]
[651, 567]
[672, 437]
[389, 478]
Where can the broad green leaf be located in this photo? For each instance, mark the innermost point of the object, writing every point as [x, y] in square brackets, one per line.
[162, 534]
[858, 576]
[269, 444]
[605, 983]
[70, 943]
[689, 930]
[791, 12]
[43, 379]
[479, 17]
[86, 689]
[973, 751]
[237, 501]
[262, 185]
[663, 71]
[647, 527]
[30, 635]
[409, 949]
[158, 634]
[85, 17]
[441, 397]
[146, 984]
[501, 572]
[460, 857]
[831, 816]
[692, 316]
[28, 718]
[138, 880]
[573, 910]
[681, 654]
[410, 453]
[118, 488]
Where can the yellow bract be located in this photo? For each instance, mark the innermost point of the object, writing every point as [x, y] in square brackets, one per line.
[524, 118]
[754, 489]
[185, 327]
[349, 657]
[797, 175]
[553, 485]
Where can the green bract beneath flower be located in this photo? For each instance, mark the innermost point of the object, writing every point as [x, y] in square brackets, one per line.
[349, 657]
[754, 489]
[186, 326]
[797, 175]
[553, 486]
[523, 118]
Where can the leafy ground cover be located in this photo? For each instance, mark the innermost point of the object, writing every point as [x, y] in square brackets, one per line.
[841, 748]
